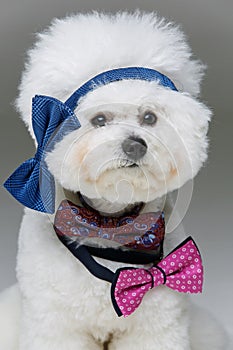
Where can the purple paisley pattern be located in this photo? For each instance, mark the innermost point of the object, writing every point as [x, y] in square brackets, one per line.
[141, 232]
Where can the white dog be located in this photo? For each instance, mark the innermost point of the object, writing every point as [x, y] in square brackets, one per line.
[138, 141]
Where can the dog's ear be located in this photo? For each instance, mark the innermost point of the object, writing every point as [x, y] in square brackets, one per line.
[190, 119]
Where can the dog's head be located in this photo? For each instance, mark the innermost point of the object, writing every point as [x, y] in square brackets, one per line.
[138, 140]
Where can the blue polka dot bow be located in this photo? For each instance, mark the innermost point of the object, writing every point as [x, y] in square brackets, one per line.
[32, 184]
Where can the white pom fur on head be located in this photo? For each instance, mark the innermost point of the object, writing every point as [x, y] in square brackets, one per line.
[91, 160]
[79, 47]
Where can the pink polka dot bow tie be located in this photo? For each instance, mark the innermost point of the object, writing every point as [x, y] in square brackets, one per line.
[181, 270]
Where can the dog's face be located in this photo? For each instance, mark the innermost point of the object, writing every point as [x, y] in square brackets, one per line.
[137, 141]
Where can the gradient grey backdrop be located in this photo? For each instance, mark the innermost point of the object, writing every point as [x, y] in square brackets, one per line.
[209, 25]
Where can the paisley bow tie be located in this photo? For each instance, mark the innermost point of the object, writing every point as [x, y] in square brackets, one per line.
[32, 184]
[181, 271]
[144, 232]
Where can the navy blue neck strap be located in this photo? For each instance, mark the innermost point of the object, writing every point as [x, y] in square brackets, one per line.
[128, 73]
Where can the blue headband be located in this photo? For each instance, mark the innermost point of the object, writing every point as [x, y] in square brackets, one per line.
[32, 184]
[130, 73]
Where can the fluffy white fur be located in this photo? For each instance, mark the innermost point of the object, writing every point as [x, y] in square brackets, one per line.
[63, 306]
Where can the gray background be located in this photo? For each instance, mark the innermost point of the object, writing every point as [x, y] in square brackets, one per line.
[209, 26]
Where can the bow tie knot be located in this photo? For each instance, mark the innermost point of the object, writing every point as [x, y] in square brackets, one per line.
[145, 279]
[39, 154]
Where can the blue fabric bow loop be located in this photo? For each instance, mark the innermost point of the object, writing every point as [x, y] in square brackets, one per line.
[31, 183]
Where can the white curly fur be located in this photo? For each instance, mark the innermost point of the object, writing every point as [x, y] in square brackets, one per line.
[63, 306]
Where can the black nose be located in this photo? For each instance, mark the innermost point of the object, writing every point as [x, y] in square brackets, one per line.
[134, 147]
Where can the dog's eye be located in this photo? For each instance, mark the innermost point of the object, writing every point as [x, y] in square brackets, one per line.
[149, 118]
[99, 120]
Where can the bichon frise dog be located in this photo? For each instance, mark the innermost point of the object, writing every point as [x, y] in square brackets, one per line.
[131, 82]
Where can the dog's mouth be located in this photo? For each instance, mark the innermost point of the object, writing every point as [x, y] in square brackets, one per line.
[129, 165]
[134, 165]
